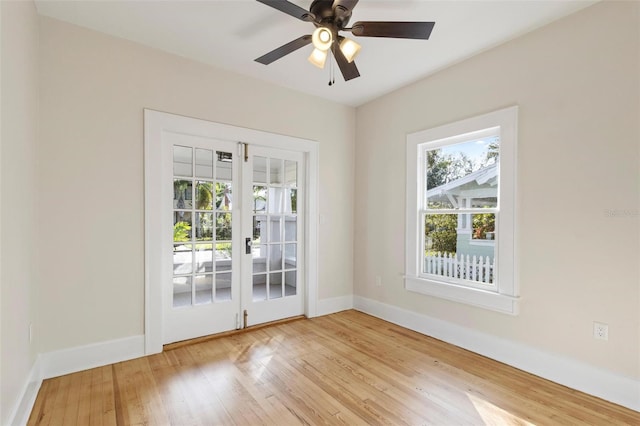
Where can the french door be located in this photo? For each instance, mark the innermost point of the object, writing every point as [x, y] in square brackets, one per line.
[274, 192]
[235, 244]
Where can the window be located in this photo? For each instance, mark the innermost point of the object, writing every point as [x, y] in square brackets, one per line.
[461, 211]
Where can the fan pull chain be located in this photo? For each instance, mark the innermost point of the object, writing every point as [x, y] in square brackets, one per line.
[332, 74]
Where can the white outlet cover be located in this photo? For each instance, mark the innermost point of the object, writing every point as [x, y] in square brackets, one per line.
[600, 331]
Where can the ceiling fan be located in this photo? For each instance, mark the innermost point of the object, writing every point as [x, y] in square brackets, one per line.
[330, 17]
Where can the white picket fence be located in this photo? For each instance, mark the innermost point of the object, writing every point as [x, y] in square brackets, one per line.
[474, 268]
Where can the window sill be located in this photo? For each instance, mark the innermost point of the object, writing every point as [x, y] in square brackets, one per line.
[471, 296]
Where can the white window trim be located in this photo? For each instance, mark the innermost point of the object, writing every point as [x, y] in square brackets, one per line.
[505, 297]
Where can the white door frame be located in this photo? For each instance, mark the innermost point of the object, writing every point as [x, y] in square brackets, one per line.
[155, 123]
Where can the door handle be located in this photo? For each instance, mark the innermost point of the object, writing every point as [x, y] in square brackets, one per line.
[247, 245]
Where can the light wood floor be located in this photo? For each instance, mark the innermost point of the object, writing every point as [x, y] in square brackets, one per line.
[347, 368]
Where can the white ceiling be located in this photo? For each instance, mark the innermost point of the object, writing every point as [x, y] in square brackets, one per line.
[230, 34]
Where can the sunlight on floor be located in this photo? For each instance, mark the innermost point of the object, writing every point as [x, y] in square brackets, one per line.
[492, 414]
[264, 362]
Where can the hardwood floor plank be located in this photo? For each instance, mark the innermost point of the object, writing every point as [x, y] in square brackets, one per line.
[107, 397]
[60, 400]
[347, 368]
[84, 400]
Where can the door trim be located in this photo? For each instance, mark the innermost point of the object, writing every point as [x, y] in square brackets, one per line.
[155, 123]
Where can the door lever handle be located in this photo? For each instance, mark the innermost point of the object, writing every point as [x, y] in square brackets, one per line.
[247, 245]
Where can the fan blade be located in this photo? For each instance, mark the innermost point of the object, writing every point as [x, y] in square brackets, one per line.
[416, 30]
[344, 4]
[290, 9]
[349, 70]
[285, 49]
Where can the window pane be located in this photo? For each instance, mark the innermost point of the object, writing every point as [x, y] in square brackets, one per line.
[276, 200]
[452, 251]
[204, 195]
[223, 287]
[181, 291]
[275, 257]
[182, 259]
[182, 197]
[223, 227]
[223, 256]
[204, 289]
[259, 256]
[204, 163]
[259, 287]
[181, 226]
[291, 173]
[276, 171]
[182, 161]
[204, 226]
[290, 283]
[259, 198]
[275, 285]
[275, 230]
[224, 165]
[291, 201]
[484, 226]
[290, 228]
[260, 170]
[259, 229]
[204, 258]
[224, 196]
[290, 256]
[463, 175]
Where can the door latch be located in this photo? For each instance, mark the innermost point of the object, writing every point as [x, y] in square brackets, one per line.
[247, 245]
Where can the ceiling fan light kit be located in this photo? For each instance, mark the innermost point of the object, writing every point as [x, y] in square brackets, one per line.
[330, 17]
[322, 38]
[350, 49]
[318, 57]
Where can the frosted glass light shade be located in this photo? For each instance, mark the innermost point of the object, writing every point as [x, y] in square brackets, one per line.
[318, 57]
[350, 49]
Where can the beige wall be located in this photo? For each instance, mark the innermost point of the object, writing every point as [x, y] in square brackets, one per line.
[93, 91]
[19, 118]
[576, 82]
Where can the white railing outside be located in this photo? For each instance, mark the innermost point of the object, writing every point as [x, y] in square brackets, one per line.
[452, 265]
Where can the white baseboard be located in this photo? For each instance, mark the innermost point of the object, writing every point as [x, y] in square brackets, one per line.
[333, 305]
[81, 358]
[575, 374]
[27, 398]
[65, 361]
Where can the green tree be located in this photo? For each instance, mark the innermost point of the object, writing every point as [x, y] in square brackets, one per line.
[493, 152]
[440, 230]
[204, 196]
[483, 223]
[436, 168]
[181, 231]
[223, 226]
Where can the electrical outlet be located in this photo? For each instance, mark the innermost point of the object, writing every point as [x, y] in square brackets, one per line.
[378, 281]
[600, 331]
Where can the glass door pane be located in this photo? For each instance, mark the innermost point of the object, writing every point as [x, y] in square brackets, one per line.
[275, 227]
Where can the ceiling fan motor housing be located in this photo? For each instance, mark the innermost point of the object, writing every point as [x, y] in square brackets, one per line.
[327, 16]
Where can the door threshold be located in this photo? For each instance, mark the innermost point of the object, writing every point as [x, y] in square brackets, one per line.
[182, 343]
